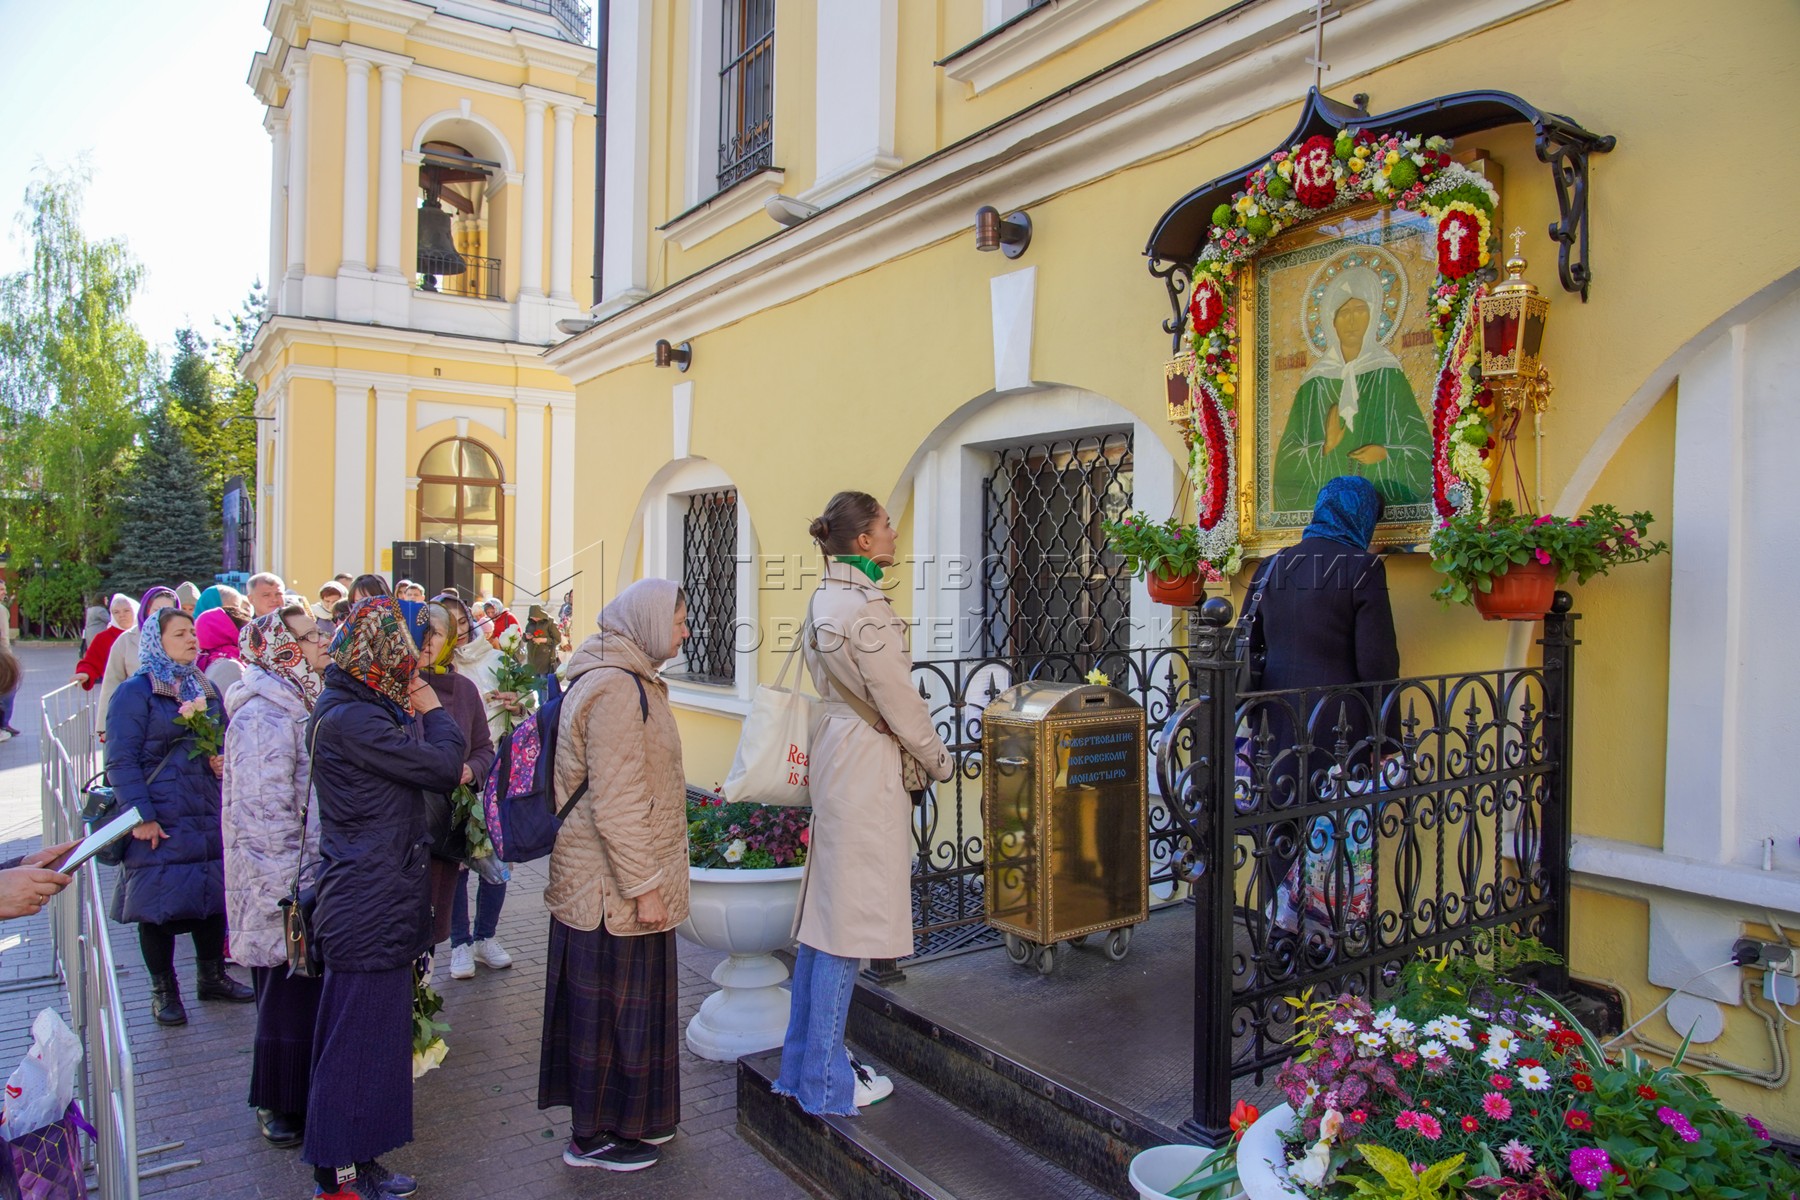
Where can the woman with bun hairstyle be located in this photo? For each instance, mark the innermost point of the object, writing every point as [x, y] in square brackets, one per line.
[855, 897]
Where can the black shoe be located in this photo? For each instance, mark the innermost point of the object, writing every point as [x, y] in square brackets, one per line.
[281, 1128]
[215, 984]
[612, 1153]
[165, 1000]
[388, 1182]
[661, 1137]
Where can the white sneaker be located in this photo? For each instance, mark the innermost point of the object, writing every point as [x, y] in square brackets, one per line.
[492, 955]
[870, 1087]
[462, 962]
[5, 736]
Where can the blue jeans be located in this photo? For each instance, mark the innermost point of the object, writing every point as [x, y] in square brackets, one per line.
[815, 1067]
[6, 707]
[488, 899]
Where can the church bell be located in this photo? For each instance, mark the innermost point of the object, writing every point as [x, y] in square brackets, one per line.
[437, 249]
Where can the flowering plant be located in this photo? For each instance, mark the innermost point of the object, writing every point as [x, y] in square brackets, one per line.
[746, 836]
[197, 718]
[1471, 549]
[1468, 1085]
[429, 1047]
[513, 674]
[1169, 549]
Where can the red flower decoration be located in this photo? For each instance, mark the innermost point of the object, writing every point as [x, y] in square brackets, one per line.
[1458, 244]
[1646, 1091]
[1314, 183]
[1470, 1124]
[1206, 307]
[1582, 1083]
[1577, 1120]
[1218, 477]
[1243, 1116]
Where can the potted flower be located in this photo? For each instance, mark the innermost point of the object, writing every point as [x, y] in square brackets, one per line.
[744, 884]
[1465, 1083]
[1507, 563]
[1168, 556]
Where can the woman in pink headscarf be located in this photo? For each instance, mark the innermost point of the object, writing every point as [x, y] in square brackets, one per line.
[219, 660]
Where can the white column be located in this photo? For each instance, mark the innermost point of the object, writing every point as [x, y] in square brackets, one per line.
[277, 125]
[562, 491]
[355, 252]
[858, 56]
[562, 206]
[531, 250]
[391, 468]
[298, 121]
[528, 504]
[626, 232]
[390, 206]
[350, 469]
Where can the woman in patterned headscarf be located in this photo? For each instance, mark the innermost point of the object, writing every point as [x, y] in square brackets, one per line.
[267, 839]
[370, 767]
[173, 881]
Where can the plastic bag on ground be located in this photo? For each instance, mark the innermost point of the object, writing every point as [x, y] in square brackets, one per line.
[44, 1082]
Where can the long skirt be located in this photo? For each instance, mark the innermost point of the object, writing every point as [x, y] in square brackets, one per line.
[361, 1104]
[611, 1041]
[287, 1008]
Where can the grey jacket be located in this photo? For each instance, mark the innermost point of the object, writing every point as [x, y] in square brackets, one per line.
[267, 776]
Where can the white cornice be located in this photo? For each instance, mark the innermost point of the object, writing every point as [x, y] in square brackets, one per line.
[381, 58]
[1185, 91]
[279, 333]
[744, 198]
[385, 381]
[1039, 35]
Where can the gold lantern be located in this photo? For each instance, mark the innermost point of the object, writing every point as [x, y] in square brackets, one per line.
[1178, 391]
[1512, 336]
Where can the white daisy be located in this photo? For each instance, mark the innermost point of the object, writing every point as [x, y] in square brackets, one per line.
[1434, 1028]
[1384, 1020]
[1534, 1079]
[1346, 1027]
[1401, 1031]
[1495, 1057]
[1370, 1043]
[1455, 1026]
[1504, 1038]
[1433, 1049]
[1540, 1021]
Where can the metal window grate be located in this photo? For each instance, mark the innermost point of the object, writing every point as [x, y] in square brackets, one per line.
[746, 90]
[479, 277]
[709, 573]
[1050, 583]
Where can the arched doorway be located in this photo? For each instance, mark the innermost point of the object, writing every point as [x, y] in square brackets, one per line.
[461, 498]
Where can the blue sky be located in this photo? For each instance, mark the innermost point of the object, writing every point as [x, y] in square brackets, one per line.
[153, 92]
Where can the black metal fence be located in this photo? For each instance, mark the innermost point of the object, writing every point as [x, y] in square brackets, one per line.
[1330, 835]
[572, 15]
[479, 277]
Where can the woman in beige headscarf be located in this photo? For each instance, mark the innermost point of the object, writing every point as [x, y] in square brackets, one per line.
[618, 888]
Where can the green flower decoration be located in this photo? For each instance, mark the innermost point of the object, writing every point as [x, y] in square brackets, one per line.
[1403, 174]
[1345, 144]
[1259, 226]
[1222, 216]
[1278, 188]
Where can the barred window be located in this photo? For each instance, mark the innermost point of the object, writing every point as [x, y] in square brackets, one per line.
[709, 548]
[1050, 582]
[746, 90]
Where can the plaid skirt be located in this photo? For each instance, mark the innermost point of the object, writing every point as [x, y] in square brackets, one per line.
[361, 1102]
[612, 1035]
[287, 1007]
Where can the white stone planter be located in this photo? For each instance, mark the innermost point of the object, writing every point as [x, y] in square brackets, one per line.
[1261, 1158]
[748, 915]
[1156, 1170]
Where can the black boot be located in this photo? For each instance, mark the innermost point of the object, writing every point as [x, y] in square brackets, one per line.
[215, 984]
[281, 1128]
[165, 1000]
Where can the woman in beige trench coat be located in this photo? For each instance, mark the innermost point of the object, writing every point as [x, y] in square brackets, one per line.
[855, 894]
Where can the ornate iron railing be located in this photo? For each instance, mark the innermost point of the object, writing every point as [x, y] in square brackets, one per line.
[572, 15]
[947, 885]
[746, 90]
[709, 561]
[1332, 834]
[480, 277]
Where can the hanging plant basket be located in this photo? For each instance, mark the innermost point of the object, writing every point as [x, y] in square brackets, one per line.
[1182, 591]
[1523, 593]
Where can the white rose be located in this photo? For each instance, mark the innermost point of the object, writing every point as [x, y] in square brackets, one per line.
[735, 851]
[1311, 1169]
[430, 1058]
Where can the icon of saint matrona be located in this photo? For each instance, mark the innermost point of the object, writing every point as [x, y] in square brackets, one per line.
[1355, 413]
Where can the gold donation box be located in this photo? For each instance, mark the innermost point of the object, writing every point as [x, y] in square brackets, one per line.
[1065, 811]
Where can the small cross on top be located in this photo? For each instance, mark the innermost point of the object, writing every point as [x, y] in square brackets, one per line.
[1518, 237]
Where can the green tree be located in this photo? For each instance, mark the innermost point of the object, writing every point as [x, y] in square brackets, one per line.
[74, 376]
[214, 407]
[164, 531]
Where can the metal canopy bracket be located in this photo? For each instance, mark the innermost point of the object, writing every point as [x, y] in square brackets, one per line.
[1183, 231]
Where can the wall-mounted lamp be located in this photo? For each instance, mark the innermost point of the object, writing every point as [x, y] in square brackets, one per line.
[575, 325]
[1010, 234]
[787, 211]
[680, 357]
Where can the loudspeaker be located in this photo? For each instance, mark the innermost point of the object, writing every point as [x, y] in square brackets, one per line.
[437, 566]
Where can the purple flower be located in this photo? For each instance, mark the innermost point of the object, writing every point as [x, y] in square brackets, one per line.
[1757, 1127]
[1589, 1166]
[1680, 1124]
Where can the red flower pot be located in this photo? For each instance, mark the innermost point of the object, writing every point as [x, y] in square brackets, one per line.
[1184, 591]
[1523, 593]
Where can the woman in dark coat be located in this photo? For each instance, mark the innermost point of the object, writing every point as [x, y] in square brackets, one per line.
[173, 881]
[1323, 620]
[371, 765]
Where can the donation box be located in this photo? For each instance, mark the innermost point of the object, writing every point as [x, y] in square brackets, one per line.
[1065, 816]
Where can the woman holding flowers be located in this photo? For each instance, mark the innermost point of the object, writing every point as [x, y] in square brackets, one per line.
[268, 780]
[164, 731]
[371, 765]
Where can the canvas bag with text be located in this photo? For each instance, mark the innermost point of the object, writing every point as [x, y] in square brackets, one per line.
[773, 751]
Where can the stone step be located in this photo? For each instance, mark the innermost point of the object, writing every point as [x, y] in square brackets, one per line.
[915, 1145]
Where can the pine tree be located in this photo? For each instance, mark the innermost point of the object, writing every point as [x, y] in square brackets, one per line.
[165, 529]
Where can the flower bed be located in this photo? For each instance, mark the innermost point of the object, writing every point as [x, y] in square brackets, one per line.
[749, 837]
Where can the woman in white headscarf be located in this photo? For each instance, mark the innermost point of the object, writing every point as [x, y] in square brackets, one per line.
[1355, 413]
[618, 888]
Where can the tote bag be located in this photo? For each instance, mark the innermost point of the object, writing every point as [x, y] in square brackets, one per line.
[770, 766]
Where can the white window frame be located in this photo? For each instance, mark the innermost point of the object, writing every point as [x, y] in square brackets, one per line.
[660, 517]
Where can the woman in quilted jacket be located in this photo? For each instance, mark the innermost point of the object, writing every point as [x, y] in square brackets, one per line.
[268, 779]
[618, 888]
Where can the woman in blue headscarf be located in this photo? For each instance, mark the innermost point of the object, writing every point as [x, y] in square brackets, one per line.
[173, 881]
[1320, 616]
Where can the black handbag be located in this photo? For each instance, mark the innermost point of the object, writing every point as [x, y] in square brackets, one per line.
[1248, 642]
[100, 804]
[448, 840]
[298, 906]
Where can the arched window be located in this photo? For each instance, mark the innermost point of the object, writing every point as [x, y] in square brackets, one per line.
[461, 500]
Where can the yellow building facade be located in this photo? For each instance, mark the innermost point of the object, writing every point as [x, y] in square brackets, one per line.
[859, 340]
[432, 220]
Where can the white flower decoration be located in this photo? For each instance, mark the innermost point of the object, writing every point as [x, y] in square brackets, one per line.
[1540, 1021]
[1370, 1043]
[1496, 1058]
[735, 851]
[1311, 1169]
[1534, 1079]
[1433, 1049]
[1502, 1037]
[1345, 1027]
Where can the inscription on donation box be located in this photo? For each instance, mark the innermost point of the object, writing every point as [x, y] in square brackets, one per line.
[1088, 759]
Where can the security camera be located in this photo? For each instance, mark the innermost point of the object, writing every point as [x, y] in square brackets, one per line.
[788, 211]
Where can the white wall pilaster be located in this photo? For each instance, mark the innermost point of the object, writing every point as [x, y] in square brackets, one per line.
[562, 206]
[294, 278]
[355, 291]
[857, 62]
[562, 492]
[277, 125]
[391, 468]
[528, 506]
[531, 239]
[350, 467]
[626, 234]
[390, 205]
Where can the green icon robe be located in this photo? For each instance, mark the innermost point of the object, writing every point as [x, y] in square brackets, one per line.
[1387, 415]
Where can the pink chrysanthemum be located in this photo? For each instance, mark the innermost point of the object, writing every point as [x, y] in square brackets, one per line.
[1516, 1157]
[1428, 1127]
[1496, 1106]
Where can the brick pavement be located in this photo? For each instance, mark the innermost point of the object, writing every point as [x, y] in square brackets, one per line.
[478, 1131]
